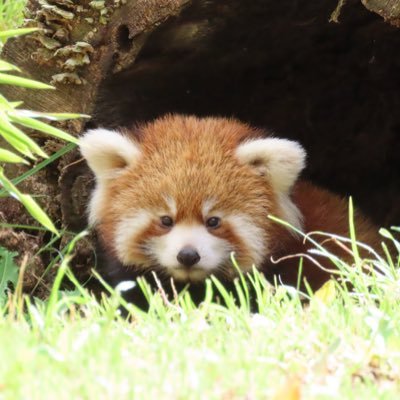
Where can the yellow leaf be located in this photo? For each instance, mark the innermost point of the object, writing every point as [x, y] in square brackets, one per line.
[327, 293]
[289, 391]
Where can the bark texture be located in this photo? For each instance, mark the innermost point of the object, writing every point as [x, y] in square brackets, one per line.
[388, 9]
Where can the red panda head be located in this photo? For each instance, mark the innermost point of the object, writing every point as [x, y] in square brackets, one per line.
[178, 195]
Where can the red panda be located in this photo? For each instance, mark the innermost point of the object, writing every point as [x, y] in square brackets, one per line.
[178, 195]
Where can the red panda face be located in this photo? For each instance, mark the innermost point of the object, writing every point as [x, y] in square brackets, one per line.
[189, 193]
[188, 245]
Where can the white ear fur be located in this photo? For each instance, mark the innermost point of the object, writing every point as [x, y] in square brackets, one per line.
[108, 152]
[280, 159]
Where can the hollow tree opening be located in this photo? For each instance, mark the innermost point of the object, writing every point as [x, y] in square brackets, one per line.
[282, 66]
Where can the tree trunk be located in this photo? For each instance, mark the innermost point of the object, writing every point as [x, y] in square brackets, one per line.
[388, 9]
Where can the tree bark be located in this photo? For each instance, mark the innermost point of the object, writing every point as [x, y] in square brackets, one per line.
[388, 9]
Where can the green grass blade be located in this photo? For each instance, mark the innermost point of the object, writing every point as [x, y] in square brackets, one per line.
[6, 105]
[20, 226]
[225, 294]
[5, 66]
[243, 289]
[64, 150]
[9, 131]
[41, 165]
[243, 301]
[8, 272]
[128, 306]
[4, 35]
[42, 127]
[15, 104]
[16, 142]
[54, 294]
[32, 207]
[6, 79]
[37, 212]
[10, 157]
[388, 235]
[352, 229]
[52, 116]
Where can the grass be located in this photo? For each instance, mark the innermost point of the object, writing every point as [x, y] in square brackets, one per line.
[11, 13]
[341, 344]
[199, 355]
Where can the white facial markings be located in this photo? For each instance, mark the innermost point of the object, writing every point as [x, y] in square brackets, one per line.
[127, 233]
[207, 207]
[191, 275]
[163, 249]
[172, 209]
[251, 235]
[96, 203]
[212, 250]
[291, 213]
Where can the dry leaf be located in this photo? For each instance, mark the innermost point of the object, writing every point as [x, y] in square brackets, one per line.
[289, 391]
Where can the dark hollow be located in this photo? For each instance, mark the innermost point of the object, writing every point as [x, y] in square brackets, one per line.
[123, 38]
[283, 66]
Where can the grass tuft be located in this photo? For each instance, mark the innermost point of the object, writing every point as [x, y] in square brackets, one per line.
[341, 344]
[11, 13]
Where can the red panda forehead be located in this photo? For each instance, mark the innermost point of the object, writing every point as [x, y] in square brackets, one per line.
[191, 183]
[193, 194]
[191, 161]
[173, 131]
[191, 191]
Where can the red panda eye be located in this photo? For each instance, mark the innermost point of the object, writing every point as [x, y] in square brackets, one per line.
[213, 222]
[166, 221]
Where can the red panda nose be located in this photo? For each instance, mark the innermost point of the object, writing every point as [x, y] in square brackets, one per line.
[188, 256]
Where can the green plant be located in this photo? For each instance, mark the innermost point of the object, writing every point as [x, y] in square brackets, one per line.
[341, 344]
[11, 13]
[8, 273]
[12, 117]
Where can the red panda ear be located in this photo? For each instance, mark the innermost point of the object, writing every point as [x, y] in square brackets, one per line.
[108, 152]
[280, 160]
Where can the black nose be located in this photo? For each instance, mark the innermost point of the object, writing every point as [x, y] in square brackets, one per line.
[188, 256]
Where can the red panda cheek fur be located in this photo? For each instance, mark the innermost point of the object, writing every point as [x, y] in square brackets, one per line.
[187, 163]
[244, 257]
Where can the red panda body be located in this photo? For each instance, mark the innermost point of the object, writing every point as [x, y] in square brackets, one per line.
[178, 195]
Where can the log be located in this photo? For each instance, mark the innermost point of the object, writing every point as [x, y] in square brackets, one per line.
[388, 9]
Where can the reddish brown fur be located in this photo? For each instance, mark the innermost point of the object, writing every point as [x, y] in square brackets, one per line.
[182, 155]
[325, 212]
[215, 141]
